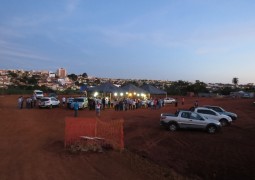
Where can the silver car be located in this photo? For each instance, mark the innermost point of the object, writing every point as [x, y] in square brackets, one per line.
[82, 101]
[169, 100]
[222, 111]
[48, 102]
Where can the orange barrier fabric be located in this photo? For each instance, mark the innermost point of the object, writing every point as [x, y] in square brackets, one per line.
[76, 127]
[111, 131]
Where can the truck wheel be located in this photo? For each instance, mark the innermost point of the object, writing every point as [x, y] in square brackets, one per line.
[223, 122]
[173, 127]
[211, 129]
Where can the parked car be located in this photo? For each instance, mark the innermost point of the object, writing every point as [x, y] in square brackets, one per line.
[246, 95]
[38, 94]
[48, 102]
[169, 100]
[53, 95]
[188, 120]
[210, 113]
[222, 111]
[82, 101]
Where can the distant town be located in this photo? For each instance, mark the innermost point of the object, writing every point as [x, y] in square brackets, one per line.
[62, 81]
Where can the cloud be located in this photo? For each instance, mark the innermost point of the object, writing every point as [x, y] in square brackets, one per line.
[8, 32]
[72, 5]
[116, 37]
[23, 55]
[12, 50]
[210, 50]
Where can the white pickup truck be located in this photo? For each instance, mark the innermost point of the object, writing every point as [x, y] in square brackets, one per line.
[209, 113]
[188, 120]
[38, 94]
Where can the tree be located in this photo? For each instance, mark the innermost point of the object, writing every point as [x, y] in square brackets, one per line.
[73, 77]
[235, 81]
[199, 87]
[226, 90]
[32, 81]
[178, 88]
[12, 74]
[84, 75]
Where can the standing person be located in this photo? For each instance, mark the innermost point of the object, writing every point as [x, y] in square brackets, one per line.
[76, 108]
[31, 102]
[98, 107]
[176, 103]
[106, 102]
[182, 100]
[196, 103]
[20, 102]
[34, 99]
[63, 101]
[28, 102]
[103, 103]
[109, 103]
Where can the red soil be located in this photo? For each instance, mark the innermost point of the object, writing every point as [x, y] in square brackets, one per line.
[32, 145]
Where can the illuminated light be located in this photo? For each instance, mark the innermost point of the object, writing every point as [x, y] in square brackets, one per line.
[121, 94]
[130, 94]
[95, 94]
[134, 93]
[115, 94]
[126, 92]
[138, 94]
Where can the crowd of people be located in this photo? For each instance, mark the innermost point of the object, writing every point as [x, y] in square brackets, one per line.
[98, 104]
[29, 102]
[132, 104]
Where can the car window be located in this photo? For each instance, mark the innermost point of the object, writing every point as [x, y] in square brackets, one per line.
[79, 100]
[195, 116]
[217, 109]
[185, 115]
[205, 111]
[212, 113]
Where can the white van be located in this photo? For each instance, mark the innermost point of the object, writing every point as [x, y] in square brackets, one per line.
[38, 94]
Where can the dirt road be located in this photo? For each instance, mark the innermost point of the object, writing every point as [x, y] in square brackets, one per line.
[32, 145]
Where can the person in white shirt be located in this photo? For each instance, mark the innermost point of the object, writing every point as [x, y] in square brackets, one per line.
[98, 108]
[63, 101]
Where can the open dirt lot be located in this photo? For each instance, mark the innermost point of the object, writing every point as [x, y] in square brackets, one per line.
[32, 145]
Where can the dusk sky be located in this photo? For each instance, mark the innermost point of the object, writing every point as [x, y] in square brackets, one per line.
[208, 40]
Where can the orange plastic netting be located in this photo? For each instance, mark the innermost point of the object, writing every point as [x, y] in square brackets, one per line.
[111, 131]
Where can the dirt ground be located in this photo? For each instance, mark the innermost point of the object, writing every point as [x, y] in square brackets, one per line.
[32, 145]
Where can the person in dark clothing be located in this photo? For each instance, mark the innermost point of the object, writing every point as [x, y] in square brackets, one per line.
[103, 103]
